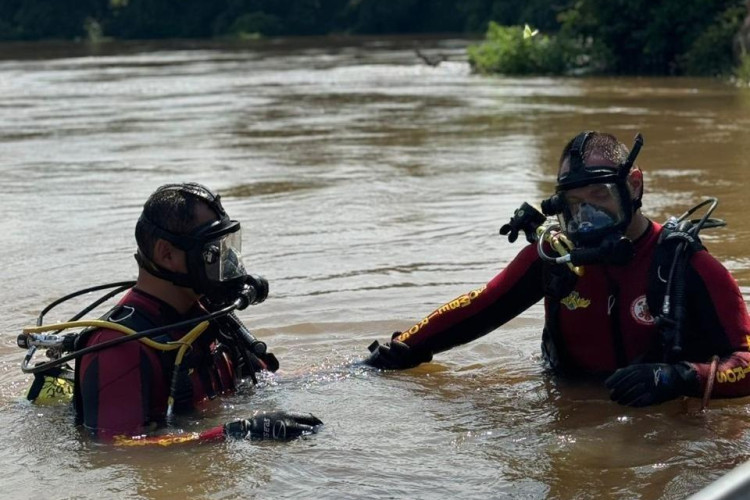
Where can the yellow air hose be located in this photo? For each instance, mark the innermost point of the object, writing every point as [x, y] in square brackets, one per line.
[183, 344]
[98, 323]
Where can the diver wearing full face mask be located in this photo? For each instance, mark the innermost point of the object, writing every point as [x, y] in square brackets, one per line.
[598, 201]
[191, 277]
[212, 249]
[602, 271]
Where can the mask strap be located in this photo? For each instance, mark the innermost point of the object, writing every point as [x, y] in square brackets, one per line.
[198, 191]
[576, 152]
[179, 279]
[184, 242]
[637, 203]
[624, 168]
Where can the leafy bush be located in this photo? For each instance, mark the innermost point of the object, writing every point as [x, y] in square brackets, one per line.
[507, 51]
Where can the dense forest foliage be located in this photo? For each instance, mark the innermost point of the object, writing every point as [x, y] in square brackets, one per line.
[695, 37]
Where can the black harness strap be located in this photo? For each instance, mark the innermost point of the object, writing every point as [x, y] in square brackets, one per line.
[613, 303]
[559, 281]
[667, 286]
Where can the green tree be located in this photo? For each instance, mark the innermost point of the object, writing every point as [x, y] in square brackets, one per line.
[281, 17]
[616, 36]
[646, 37]
[36, 19]
[711, 53]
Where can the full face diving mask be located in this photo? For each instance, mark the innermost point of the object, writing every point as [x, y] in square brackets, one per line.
[213, 250]
[592, 202]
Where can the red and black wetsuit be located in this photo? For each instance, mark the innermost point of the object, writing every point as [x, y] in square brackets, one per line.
[603, 322]
[124, 389]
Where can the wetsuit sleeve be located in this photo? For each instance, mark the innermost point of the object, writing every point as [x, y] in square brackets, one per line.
[117, 386]
[718, 315]
[480, 311]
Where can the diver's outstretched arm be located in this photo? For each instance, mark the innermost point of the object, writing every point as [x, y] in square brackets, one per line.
[466, 317]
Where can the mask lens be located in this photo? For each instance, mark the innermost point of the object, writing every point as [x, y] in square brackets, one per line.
[223, 258]
[591, 210]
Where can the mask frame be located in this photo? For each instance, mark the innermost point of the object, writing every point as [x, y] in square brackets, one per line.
[580, 175]
[587, 222]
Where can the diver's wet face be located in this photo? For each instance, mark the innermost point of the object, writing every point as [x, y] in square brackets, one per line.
[591, 212]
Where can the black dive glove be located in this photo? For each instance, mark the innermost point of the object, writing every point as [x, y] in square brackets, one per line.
[652, 383]
[278, 425]
[396, 355]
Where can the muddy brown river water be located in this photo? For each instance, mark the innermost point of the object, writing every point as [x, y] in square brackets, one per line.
[370, 188]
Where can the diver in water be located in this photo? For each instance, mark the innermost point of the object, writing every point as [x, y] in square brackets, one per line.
[190, 267]
[626, 298]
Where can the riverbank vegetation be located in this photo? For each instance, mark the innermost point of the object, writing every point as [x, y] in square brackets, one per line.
[640, 37]
[635, 37]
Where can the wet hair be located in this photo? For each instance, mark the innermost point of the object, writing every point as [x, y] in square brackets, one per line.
[605, 144]
[169, 209]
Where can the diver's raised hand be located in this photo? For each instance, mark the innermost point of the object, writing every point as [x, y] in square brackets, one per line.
[277, 425]
[396, 355]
